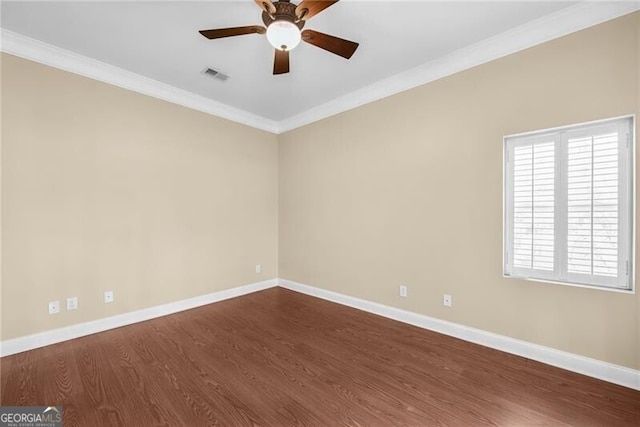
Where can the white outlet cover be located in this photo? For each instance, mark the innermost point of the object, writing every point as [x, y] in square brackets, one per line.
[54, 307]
[258, 268]
[403, 291]
[447, 300]
[108, 297]
[72, 303]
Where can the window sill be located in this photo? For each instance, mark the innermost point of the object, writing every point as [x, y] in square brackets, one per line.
[575, 285]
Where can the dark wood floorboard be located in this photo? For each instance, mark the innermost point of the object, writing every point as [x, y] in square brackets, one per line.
[281, 358]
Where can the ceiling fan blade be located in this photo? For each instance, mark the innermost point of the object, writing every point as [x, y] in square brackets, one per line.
[281, 62]
[342, 47]
[310, 8]
[267, 6]
[234, 31]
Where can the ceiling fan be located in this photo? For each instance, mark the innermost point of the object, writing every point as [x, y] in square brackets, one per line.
[284, 22]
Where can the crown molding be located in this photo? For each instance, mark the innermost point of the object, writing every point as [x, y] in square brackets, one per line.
[53, 56]
[566, 21]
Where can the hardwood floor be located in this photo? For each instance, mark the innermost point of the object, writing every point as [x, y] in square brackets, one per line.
[277, 357]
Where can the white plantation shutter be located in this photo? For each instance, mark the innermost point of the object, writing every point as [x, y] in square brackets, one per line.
[533, 187]
[568, 205]
[593, 204]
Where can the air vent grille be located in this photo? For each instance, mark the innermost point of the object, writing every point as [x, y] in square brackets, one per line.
[211, 72]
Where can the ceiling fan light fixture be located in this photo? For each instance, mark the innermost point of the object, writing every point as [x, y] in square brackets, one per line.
[283, 35]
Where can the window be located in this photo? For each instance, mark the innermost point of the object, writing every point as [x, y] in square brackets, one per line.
[569, 206]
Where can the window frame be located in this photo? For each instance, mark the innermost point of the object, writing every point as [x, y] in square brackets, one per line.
[627, 164]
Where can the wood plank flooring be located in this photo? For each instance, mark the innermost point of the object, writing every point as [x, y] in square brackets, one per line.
[281, 358]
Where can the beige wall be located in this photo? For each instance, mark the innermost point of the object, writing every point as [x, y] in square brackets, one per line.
[108, 189]
[103, 188]
[408, 190]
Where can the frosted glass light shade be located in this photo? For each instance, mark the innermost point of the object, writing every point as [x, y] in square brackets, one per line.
[283, 35]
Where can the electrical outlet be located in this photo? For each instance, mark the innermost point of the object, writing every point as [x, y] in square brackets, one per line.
[54, 307]
[108, 297]
[72, 303]
[447, 300]
[403, 291]
[258, 268]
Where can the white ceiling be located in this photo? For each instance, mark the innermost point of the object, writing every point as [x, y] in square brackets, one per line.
[160, 40]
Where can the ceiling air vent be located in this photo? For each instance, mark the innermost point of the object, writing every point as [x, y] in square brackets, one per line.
[215, 74]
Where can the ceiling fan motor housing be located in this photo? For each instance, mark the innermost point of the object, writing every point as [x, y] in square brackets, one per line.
[285, 11]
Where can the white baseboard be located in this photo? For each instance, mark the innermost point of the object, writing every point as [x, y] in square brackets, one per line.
[594, 368]
[572, 362]
[54, 336]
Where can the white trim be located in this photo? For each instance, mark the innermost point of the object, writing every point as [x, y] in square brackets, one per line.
[44, 53]
[594, 368]
[561, 128]
[583, 365]
[574, 18]
[555, 25]
[30, 342]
